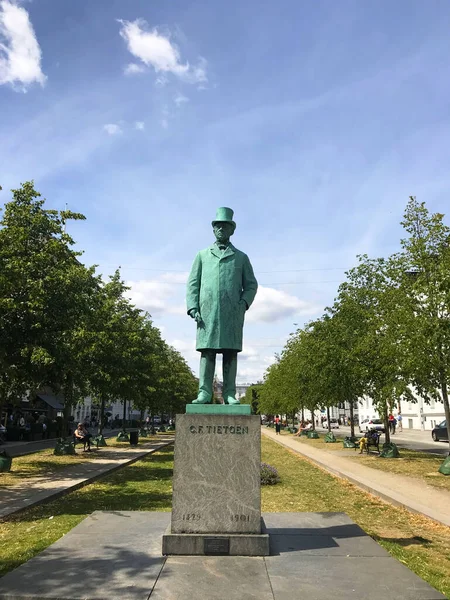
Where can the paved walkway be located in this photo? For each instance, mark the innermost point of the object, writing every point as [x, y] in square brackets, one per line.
[36, 490]
[410, 493]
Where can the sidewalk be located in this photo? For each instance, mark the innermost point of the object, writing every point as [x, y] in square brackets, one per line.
[37, 490]
[397, 489]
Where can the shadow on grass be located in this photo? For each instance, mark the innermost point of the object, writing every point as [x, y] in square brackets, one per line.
[416, 540]
[85, 502]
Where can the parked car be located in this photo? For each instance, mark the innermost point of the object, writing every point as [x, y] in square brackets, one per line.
[368, 424]
[334, 424]
[440, 432]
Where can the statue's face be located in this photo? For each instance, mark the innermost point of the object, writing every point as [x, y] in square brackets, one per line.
[223, 231]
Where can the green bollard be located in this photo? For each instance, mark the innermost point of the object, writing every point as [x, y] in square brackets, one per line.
[445, 467]
[5, 461]
[64, 448]
[390, 451]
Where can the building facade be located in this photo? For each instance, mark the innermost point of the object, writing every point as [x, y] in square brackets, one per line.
[415, 415]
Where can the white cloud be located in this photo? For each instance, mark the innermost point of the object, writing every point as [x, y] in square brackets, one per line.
[133, 69]
[158, 296]
[161, 81]
[180, 99]
[157, 51]
[112, 128]
[175, 277]
[139, 125]
[273, 305]
[20, 54]
[249, 354]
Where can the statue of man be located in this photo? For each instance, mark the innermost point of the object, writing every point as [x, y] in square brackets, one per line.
[220, 288]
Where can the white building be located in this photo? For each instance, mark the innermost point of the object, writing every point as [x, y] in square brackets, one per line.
[241, 388]
[416, 415]
[89, 410]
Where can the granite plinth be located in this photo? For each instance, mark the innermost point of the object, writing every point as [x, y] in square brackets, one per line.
[218, 409]
[208, 544]
[216, 481]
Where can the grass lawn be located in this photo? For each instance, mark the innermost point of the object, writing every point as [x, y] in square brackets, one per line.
[422, 465]
[41, 463]
[44, 463]
[144, 485]
[416, 541]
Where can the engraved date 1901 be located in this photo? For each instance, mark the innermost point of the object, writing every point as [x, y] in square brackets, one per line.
[241, 518]
[191, 517]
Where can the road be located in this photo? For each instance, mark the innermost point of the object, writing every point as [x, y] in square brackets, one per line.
[410, 439]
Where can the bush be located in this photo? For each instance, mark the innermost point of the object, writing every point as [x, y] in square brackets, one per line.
[269, 475]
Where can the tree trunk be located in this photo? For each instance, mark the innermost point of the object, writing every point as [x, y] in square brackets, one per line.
[303, 414]
[293, 420]
[68, 402]
[124, 415]
[386, 424]
[328, 418]
[352, 423]
[444, 391]
[313, 417]
[101, 416]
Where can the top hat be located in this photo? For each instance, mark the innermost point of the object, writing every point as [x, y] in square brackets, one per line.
[224, 215]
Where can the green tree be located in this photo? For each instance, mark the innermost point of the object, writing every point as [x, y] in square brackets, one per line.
[425, 268]
[371, 301]
[46, 295]
[252, 396]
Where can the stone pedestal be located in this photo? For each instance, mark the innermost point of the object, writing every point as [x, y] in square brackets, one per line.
[216, 506]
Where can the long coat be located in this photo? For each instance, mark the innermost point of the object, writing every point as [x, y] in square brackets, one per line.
[218, 281]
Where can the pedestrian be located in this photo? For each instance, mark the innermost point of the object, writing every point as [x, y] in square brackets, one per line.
[277, 425]
[399, 421]
[392, 423]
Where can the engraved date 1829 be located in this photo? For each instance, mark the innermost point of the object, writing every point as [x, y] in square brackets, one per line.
[191, 517]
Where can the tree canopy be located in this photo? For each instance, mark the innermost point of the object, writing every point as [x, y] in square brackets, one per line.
[386, 336]
[63, 327]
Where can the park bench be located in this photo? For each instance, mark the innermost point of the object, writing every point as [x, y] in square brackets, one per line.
[94, 441]
[372, 438]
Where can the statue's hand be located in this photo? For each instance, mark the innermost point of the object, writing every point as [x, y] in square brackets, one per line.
[243, 303]
[195, 315]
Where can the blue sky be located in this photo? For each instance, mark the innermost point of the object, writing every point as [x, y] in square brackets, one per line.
[314, 121]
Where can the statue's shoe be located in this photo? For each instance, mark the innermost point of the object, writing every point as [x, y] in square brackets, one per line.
[201, 399]
[231, 400]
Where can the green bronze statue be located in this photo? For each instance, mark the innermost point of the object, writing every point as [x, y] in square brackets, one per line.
[220, 288]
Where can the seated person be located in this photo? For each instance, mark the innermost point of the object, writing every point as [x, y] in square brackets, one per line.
[303, 427]
[82, 435]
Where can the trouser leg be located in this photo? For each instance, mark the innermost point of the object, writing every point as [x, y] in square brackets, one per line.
[229, 377]
[207, 368]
